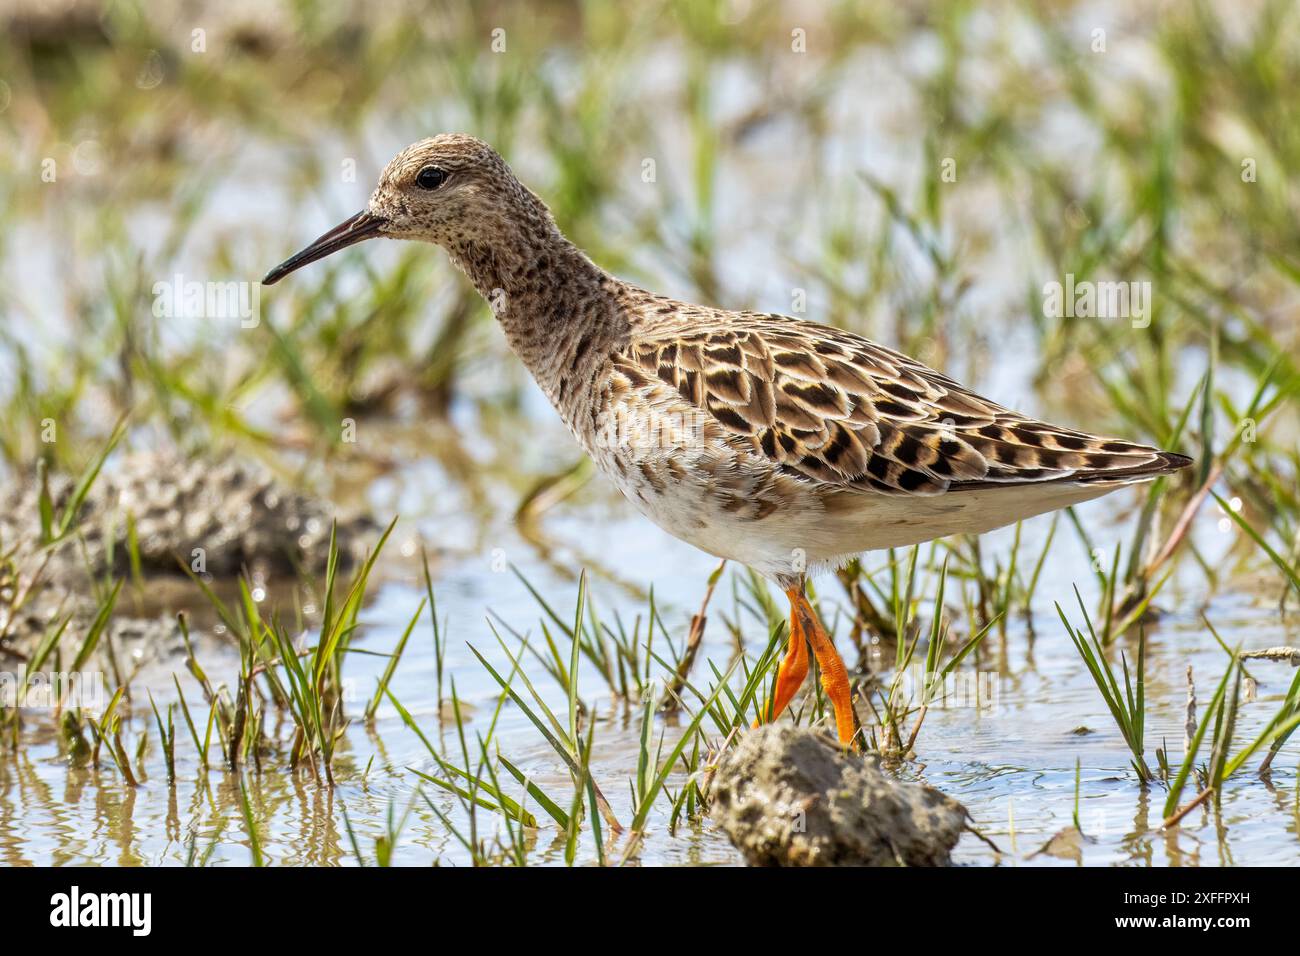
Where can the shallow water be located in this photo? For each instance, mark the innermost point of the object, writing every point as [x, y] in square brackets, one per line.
[1009, 755]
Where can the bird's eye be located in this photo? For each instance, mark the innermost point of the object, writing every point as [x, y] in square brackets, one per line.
[431, 177]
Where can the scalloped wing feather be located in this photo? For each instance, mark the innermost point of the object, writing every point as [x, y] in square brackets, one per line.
[839, 410]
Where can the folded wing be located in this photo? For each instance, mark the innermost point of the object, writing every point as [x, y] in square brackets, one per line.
[842, 411]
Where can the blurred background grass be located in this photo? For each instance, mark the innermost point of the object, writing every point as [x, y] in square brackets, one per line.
[798, 152]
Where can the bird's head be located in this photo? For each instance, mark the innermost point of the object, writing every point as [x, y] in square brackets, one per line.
[451, 189]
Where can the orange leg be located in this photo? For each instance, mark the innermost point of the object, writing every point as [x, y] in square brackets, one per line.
[804, 628]
[835, 677]
[793, 670]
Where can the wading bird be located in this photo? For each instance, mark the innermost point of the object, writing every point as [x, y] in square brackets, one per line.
[776, 442]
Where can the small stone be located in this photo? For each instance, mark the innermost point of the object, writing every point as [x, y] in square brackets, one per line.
[1066, 844]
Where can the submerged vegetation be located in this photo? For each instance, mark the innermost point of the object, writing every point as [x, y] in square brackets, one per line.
[489, 683]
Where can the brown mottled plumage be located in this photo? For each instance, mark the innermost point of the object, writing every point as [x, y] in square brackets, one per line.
[780, 443]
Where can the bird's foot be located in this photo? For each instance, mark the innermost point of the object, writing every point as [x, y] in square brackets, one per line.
[835, 676]
[792, 672]
[806, 629]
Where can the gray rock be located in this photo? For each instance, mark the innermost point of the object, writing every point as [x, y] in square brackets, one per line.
[232, 514]
[787, 796]
[219, 517]
[134, 639]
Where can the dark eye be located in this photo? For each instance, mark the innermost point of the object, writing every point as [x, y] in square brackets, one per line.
[431, 177]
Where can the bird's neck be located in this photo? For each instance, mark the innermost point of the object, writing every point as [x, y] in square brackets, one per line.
[558, 309]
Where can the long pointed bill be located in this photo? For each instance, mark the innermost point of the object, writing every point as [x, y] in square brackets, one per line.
[359, 227]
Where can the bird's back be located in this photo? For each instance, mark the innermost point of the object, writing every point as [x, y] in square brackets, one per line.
[843, 411]
[755, 427]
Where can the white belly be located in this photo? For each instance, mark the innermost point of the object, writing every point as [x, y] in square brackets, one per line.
[784, 528]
